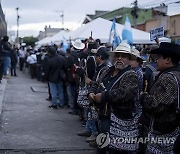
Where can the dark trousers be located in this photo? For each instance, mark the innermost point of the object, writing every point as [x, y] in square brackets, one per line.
[33, 70]
[13, 69]
[21, 63]
[1, 68]
[50, 97]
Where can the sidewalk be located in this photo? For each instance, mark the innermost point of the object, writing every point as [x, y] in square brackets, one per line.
[28, 125]
[2, 92]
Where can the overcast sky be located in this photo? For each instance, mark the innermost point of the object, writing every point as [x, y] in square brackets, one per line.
[35, 14]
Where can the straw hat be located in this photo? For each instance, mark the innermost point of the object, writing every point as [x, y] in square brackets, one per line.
[78, 44]
[123, 48]
[136, 53]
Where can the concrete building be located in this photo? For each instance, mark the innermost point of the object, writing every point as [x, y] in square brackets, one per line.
[121, 13]
[48, 32]
[3, 24]
[174, 30]
[147, 19]
[171, 26]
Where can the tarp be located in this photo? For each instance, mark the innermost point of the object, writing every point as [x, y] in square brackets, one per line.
[44, 41]
[59, 37]
[55, 39]
[100, 29]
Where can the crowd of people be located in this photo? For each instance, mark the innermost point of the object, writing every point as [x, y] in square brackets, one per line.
[127, 98]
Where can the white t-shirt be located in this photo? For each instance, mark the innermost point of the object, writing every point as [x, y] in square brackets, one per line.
[22, 53]
[32, 59]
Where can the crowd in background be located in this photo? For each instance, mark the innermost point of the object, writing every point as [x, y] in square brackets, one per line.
[129, 92]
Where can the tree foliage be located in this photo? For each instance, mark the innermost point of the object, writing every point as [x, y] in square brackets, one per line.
[30, 40]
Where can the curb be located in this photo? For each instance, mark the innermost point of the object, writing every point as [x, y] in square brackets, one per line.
[2, 93]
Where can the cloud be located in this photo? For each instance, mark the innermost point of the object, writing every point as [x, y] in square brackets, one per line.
[38, 13]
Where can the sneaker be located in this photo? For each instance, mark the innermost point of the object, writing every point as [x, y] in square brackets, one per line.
[92, 138]
[93, 144]
[84, 133]
[53, 107]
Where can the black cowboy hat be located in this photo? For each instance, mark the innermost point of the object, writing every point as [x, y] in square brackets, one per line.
[166, 48]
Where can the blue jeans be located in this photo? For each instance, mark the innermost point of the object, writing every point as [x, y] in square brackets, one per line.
[91, 126]
[71, 91]
[56, 89]
[6, 64]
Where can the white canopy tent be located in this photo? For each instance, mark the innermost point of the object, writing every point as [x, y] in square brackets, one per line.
[100, 29]
[59, 37]
[55, 39]
[44, 41]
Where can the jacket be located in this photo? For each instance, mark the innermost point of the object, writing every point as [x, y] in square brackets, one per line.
[119, 92]
[161, 102]
[55, 69]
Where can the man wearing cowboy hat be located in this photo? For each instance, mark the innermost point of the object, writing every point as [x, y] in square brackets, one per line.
[162, 101]
[114, 93]
[77, 44]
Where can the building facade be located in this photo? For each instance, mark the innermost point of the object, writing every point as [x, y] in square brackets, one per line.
[171, 26]
[3, 24]
[48, 32]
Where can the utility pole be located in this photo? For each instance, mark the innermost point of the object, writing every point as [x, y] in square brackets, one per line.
[61, 13]
[17, 38]
[134, 13]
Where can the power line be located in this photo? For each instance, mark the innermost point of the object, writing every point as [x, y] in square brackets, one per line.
[155, 3]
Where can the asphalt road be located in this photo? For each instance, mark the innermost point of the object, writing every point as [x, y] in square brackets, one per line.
[29, 126]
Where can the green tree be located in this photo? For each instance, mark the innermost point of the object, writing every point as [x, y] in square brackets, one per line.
[30, 40]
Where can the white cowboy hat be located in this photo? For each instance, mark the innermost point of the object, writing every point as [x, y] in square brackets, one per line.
[123, 48]
[136, 53]
[78, 44]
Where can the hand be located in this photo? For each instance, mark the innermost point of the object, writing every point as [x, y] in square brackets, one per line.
[87, 80]
[91, 97]
[142, 95]
[157, 40]
[97, 97]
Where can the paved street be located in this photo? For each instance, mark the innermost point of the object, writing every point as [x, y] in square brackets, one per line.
[29, 126]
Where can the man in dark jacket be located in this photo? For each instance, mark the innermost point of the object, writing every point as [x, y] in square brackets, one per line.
[114, 94]
[101, 57]
[161, 103]
[55, 75]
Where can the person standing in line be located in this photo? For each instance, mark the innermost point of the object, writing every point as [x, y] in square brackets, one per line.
[70, 80]
[114, 94]
[136, 64]
[6, 53]
[21, 54]
[161, 102]
[101, 57]
[54, 75]
[46, 56]
[32, 60]
[14, 60]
